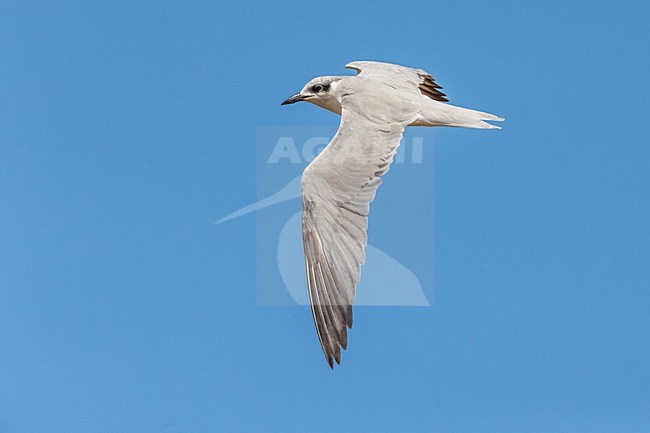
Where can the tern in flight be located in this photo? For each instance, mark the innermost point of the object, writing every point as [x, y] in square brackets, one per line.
[340, 183]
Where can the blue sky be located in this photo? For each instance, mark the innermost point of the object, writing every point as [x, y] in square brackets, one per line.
[128, 128]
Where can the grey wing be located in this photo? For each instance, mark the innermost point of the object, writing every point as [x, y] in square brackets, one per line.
[337, 189]
[417, 81]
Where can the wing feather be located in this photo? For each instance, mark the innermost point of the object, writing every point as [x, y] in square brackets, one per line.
[415, 80]
[337, 189]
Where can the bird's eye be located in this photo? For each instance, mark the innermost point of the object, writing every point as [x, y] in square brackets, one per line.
[317, 88]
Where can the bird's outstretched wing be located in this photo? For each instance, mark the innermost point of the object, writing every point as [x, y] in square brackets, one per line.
[337, 188]
[406, 79]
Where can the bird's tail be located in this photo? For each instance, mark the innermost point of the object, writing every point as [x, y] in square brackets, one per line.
[450, 115]
[467, 118]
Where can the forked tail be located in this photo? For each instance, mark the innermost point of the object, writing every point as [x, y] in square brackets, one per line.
[466, 118]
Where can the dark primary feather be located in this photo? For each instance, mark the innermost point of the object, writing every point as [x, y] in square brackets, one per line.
[430, 88]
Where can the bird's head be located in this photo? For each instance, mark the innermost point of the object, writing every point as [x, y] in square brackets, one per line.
[321, 91]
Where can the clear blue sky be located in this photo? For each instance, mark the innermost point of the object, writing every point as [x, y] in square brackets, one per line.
[128, 128]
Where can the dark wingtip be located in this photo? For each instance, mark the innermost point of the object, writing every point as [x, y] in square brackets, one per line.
[348, 317]
[337, 355]
[431, 89]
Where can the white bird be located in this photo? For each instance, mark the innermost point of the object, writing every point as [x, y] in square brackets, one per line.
[340, 183]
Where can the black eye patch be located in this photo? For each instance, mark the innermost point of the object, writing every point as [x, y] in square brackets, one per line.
[318, 88]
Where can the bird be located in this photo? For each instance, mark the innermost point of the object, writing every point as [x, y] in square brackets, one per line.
[337, 187]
